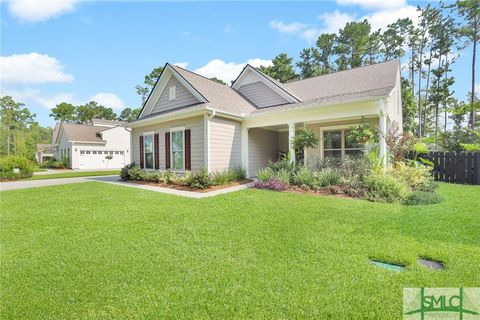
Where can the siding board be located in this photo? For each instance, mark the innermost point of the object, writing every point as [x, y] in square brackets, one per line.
[183, 97]
[261, 95]
[225, 144]
[195, 124]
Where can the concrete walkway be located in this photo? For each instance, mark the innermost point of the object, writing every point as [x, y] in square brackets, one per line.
[115, 180]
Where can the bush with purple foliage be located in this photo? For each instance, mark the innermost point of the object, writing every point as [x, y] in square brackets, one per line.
[273, 184]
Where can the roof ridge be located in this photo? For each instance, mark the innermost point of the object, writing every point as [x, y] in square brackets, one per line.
[197, 74]
[352, 69]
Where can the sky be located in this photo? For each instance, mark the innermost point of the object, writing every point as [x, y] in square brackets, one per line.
[76, 50]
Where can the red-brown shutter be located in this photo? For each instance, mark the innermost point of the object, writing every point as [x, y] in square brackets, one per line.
[167, 150]
[188, 156]
[141, 152]
[156, 151]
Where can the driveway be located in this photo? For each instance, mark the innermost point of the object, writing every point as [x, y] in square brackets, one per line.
[13, 185]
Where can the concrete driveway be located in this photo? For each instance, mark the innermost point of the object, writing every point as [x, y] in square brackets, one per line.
[14, 185]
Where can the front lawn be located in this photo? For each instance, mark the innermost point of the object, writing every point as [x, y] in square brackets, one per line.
[97, 251]
[74, 174]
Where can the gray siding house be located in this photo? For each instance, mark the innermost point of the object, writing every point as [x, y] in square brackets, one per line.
[190, 122]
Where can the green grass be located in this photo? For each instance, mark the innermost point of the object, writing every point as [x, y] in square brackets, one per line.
[73, 174]
[114, 252]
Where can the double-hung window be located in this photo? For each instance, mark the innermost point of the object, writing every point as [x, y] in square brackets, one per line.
[177, 150]
[148, 151]
[337, 145]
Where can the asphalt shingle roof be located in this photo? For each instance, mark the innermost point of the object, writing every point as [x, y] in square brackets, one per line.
[83, 132]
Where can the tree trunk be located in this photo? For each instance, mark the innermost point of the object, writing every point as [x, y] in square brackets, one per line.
[472, 99]
[426, 93]
[420, 89]
[437, 102]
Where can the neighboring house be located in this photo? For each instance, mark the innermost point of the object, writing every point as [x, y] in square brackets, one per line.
[44, 152]
[190, 122]
[101, 144]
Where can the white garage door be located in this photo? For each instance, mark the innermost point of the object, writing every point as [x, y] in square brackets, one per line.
[94, 159]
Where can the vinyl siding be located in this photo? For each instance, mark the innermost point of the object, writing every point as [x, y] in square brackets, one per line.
[225, 144]
[195, 124]
[182, 97]
[262, 147]
[261, 95]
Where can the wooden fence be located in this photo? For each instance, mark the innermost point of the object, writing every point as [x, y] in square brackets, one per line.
[455, 167]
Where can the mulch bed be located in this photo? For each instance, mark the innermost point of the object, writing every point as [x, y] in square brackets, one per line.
[187, 188]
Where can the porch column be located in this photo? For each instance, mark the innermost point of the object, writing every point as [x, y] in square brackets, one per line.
[291, 134]
[245, 149]
[382, 124]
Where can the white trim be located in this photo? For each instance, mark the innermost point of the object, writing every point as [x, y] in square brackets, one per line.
[274, 87]
[144, 134]
[177, 129]
[340, 128]
[206, 139]
[245, 149]
[182, 130]
[172, 93]
[174, 115]
[160, 86]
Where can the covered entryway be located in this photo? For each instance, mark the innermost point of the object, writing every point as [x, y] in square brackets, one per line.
[95, 159]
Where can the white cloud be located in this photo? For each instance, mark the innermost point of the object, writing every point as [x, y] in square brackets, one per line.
[183, 65]
[281, 27]
[375, 4]
[228, 71]
[477, 89]
[40, 10]
[32, 68]
[333, 21]
[35, 96]
[381, 19]
[109, 100]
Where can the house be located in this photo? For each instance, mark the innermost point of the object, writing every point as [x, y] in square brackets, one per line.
[44, 152]
[101, 144]
[189, 122]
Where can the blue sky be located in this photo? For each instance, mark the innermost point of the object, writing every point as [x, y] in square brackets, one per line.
[74, 51]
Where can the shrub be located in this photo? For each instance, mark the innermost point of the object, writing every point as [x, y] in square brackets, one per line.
[169, 177]
[8, 163]
[285, 164]
[55, 164]
[385, 188]
[422, 197]
[274, 184]
[125, 171]
[416, 176]
[239, 173]
[283, 175]
[265, 174]
[186, 178]
[326, 177]
[303, 176]
[200, 180]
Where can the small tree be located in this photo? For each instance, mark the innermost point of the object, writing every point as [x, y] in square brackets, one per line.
[399, 143]
[302, 140]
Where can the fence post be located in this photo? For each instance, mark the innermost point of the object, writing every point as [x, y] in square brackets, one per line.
[476, 168]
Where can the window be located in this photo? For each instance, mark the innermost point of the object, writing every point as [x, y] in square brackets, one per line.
[172, 92]
[116, 152]
[148, 151]
[94, 152]
[87, 152]
[177, 158]
[82, 152]
[336, 144]
[121, 152]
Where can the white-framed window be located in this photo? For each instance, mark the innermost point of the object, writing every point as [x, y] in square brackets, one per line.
[148, 154]
[82, 152]
[94, 152]
[337, 145]
[177, 149]
[172, 93]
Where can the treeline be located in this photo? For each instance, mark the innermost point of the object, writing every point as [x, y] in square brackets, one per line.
[19, 130]
[429, 50]
[69, 113]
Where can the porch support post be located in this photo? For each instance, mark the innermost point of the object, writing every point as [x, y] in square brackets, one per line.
[291, 134]
[245, 149]
[382, 124]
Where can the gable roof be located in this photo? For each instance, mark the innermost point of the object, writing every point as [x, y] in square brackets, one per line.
[83, 132]
[219, 96]
[372, 78]
[365, 82]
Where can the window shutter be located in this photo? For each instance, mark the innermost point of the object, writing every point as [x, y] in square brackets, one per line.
[167, 150]
[188, 157]
[156, 151]
[141, 152]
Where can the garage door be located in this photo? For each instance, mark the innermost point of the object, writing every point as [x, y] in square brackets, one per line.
[94, 159]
